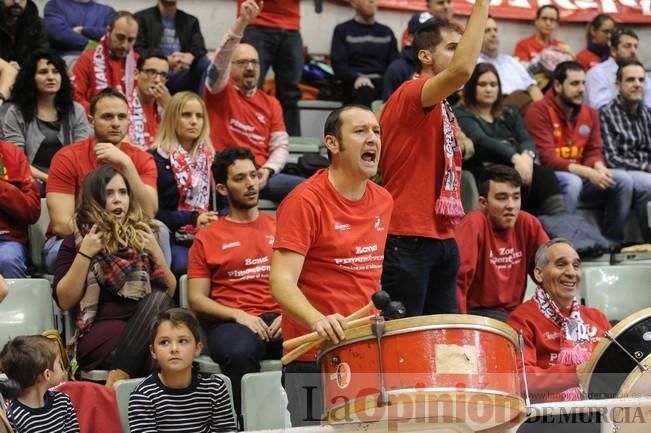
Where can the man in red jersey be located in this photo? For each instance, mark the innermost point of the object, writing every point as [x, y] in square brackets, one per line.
[421, 167]
[329, 248]
[497, 243]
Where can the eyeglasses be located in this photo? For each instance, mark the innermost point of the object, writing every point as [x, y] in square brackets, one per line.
[245, 62]
[153, 73]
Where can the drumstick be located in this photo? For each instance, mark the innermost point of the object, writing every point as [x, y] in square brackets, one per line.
[294, 354]
[379, 300]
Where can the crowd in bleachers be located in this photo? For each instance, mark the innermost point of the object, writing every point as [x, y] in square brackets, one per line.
[149, 159]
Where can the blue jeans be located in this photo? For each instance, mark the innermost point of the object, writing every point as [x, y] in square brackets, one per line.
[617, 199]
[283, 51]
[238, 351]
[422, 274]
[279, 186]
[179, 259]
[641, 195]
[13, 257]
[192, 80]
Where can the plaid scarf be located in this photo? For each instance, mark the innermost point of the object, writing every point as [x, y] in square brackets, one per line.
[192, 177]
[448, 206]
[104, 76]
[573, 335]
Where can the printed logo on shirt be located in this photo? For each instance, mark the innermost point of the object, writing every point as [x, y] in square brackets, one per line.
[342, 226]
[230, 245]
[247, 131]
[570, 152]
[270, 239]
[363, 260]
[552, 335]
[505, 258]
[261, 118]
[366, 249]
[584, 130]
[378, 224]
[256, 261]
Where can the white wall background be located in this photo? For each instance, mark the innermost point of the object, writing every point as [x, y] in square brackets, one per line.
[215, 17]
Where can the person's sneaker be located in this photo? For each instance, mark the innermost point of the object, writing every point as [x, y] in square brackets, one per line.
[114, 376]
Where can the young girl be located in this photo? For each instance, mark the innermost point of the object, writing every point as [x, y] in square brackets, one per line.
[183, 154]
[112, 271]
[177, 398]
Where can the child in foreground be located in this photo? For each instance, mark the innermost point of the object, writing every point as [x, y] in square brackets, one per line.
[179, 398]
[34, 362]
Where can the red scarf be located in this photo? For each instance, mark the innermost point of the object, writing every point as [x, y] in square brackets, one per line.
[448, 206]
[104, 75]
[192, 177]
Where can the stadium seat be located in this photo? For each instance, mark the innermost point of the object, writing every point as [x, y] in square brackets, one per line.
[27, 309]
[469, 191]
[618, 291]
[36, 233]
[313, 115]
[183, 291]
[267, 206]
[264, 401]
[123, 389]
[304, 144]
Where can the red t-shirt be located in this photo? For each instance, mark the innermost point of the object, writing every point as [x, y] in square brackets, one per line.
[237, 259]
[587, 58]
[412, 163]
[71, 164]
[343, 244]
[237, 120]
[19, 196]
[278, 14]
[494, 264]
[546, 378]
[527, 48]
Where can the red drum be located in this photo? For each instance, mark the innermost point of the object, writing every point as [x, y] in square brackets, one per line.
[440, 369]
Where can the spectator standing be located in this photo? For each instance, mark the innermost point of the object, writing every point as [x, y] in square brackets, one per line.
[600, 88]
[361, 51]
[110, 64]
[72, 26]
[21, 205]
[242, 116]
[421, 168]
[598, 35]
[21, 30]
[275, 34]
[42, 117]
[626, 132]
[228, 274]
[567, 134]
[178, 35]
[184, 154]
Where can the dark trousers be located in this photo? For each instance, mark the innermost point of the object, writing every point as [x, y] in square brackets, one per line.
[422, 274]
[238, 351]
[302, 383]
[283, 51]
[192, 80]
[132, 353]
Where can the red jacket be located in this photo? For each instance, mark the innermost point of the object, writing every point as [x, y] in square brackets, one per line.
[19, 196]
[584, 129]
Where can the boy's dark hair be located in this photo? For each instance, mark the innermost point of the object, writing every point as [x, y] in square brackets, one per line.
[550, 6]
[333, 123]
[226, 158]
[150, 54]
[108, 92]
[617, 36]
[25, 357]
[560, 73]
[429, 35]
[498, 173]
[178, 317]
[624, 64]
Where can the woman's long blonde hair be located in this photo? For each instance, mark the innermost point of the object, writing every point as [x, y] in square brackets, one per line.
[92, 211]
[166, 139]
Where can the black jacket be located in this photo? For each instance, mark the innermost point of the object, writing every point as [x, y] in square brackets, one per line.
[29, 34]
[150, 31]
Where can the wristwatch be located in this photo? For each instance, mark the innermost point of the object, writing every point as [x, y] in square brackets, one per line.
[531, 153]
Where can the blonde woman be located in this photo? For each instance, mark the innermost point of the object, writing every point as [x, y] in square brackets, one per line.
[183, 154]
[111, 272]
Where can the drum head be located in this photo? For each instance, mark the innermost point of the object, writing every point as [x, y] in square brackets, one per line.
[609, 366]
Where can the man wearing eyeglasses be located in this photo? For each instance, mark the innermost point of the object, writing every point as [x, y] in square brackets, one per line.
[149, 98]
[111, 64]
[242, 116]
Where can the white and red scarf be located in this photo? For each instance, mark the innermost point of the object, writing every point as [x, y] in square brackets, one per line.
[138, 121]
[448, 205]
[105, 76]
[574, 335]
[192, 177]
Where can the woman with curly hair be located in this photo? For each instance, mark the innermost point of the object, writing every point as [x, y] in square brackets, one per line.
[41, 116]
[111, 272]
[183, 154]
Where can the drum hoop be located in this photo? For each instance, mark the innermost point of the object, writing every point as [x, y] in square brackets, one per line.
[433, 391]
[503, 332]
[631, 379]
[604, 343]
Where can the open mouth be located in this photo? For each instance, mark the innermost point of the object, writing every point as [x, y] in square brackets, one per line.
[568, 284]
[369, 156]
[118, 212]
